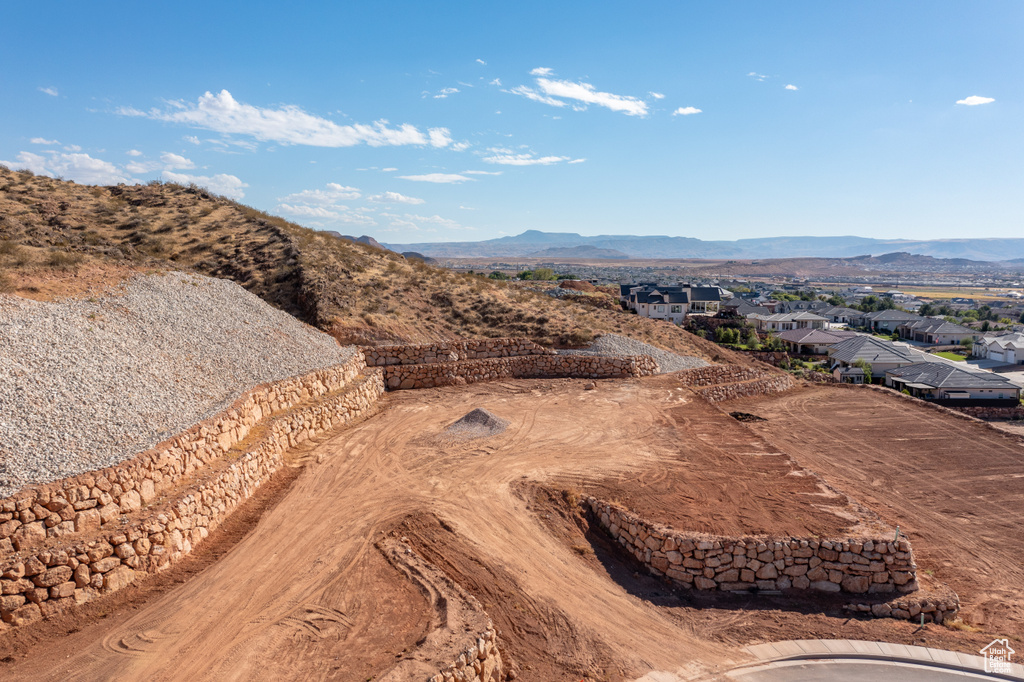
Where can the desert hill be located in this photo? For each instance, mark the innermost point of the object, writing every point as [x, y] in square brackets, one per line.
[59, 238]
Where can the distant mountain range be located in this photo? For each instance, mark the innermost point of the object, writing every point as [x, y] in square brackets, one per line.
[537, 244]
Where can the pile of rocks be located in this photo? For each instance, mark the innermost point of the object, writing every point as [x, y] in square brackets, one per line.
[613, 345]
[523, 367]
[94, 557]
[99, 498]
[478, 663]
[858, 566]
[88, 383]
[379, 356]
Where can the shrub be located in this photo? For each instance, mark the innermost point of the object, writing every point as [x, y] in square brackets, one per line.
[63, 259]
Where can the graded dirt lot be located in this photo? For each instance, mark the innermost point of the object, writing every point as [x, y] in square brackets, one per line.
[955, 487]
[308, 595]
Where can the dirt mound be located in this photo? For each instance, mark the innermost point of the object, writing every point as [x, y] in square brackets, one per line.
[477, 424]
[578, 285]
[746, 417]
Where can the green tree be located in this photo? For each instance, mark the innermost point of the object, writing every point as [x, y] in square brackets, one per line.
[927, 310]
[866, 366]
[543, 274]
[497, 275]
[751, 340]
[1021, 320]
[836, 300]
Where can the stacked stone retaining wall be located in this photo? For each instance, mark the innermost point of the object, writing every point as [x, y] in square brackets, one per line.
[98, 499]
[994, 413]
[855, 566]
[480, 662]
[98, 555]
[521, 367]
[718, 383]
[477, 349]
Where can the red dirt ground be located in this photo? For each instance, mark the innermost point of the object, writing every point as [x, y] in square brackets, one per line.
[307, 595]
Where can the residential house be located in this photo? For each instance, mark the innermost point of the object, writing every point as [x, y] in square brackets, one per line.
[1008, 348]
[671, 302]
[805, 306]
[839, 315]
[880, 355]
[886, 320]
[813, 341]
[947, 384]
[781, 322]
[935, 332]
[742, 308]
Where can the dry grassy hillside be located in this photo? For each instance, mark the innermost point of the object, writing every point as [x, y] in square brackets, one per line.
[59, 238]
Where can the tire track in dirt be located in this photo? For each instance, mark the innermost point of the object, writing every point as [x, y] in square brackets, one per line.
[949, 483]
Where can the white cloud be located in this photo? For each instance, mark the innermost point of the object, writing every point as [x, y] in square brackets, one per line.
[440, 137]
[43, 140]
[975, 100]
[307, 211]
[467, 208]
[394, 198]
[442, 178]
[503, 157]
[133, 152]
[577, 161]
[226, 185]
[686, 111]
[176, 162]
[581, 92]
[480, 61]
[757, 76]
[476, 172]
[78, 167]
[323, 197]
[192, 139]
[530, 93]
[792, 87]
[52, 92]
[656, 95]
[460, 146]
[445, 92]
[286, 125]
[542, 71]
[388, 170]
[72, 148]
[496, 81]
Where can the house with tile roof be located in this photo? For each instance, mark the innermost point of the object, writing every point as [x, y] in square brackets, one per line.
[946, 384]
[780, 322]
[935, 332]
[880, 355]
[671, 302]
[813, 341]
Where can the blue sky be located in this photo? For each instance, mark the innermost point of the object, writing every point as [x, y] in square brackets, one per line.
[415, 122]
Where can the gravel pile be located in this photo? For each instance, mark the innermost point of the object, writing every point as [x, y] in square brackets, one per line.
[477, 424]
[86, 384]
[613, 345]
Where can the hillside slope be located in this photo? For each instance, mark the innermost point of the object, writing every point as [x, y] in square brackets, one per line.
[59, 238]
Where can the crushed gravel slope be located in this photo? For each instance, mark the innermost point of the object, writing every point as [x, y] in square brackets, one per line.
[613, 345]
[87, 384]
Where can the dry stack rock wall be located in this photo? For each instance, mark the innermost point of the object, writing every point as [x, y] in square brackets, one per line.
[525, 367]
[81, 537]
[854, 566]
[718, 383]
[379, 356]
[467, 362]
[480, 662]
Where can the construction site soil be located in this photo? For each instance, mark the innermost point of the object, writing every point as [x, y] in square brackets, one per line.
[306, 594]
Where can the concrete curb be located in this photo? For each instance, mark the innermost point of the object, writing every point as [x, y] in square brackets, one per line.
[847, 649]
